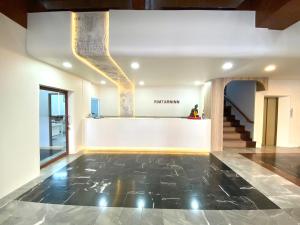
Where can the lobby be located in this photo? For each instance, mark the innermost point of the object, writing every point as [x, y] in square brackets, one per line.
[149, 112]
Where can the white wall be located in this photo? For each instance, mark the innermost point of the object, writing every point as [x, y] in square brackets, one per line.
[20, 78]
[283, 125]
[288, 127]
[89, 91]
[109, 101]
[242, 94]
[144, 101]
[188, 97]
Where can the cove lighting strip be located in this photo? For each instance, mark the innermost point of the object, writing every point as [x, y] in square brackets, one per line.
[107, 54]
[145, 150]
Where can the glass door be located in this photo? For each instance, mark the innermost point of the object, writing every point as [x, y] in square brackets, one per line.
[53, 124]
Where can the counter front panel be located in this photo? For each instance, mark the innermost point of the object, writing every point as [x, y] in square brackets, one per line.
[147, 133]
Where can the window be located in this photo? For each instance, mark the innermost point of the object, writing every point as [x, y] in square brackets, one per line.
[95, 107]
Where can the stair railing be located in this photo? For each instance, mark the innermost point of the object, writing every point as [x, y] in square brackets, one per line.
[238, 109]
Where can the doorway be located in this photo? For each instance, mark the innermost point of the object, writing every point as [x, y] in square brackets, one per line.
[53, 124]
[270, 121]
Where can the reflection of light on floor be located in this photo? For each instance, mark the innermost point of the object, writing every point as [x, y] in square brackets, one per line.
[103, 202]
[194, 204]
[117, 195]
[60, 175]
[141, 203]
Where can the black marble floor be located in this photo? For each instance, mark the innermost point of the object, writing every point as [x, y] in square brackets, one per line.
[150, 181]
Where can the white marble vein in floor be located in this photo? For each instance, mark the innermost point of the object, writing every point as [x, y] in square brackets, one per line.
[28, 213]
[282, 192]
[45, 173]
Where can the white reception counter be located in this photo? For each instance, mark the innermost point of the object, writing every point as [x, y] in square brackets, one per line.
[147, 134]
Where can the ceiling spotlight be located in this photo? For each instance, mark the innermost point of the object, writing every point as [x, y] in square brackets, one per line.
[103, 82]
[270, 68]
[141, 83]
[227, 66]
[135, 65]
[198, 83]
[67, 65]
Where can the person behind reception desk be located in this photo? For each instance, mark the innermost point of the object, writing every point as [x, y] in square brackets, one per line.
[194, 113]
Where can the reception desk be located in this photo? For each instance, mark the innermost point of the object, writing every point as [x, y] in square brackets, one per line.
[147, 134]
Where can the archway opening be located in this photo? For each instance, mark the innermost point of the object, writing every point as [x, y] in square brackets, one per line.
[238, 114]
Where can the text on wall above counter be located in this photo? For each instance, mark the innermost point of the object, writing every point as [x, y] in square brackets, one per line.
[166, 101]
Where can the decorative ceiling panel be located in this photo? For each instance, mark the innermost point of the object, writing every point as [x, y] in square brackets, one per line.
[90, 44]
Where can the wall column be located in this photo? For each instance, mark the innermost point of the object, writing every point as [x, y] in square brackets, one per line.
[217, 108]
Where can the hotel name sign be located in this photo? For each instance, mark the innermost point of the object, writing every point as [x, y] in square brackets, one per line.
[167, 101]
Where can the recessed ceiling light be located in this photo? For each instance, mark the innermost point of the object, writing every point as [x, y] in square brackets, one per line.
[198, 83]
[227, 66]
[135, 65]
[67, 65]
[103, 82]
[141, 83]
[270, 68]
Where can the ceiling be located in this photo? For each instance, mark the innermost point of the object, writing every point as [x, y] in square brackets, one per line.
[170, 52]
[179, 48]
[184, 71]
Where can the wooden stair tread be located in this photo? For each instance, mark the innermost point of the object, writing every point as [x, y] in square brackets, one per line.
[234, 134]
[238, 143]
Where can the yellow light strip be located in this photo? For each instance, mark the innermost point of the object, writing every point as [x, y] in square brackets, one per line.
[107, 23]
[145, 153]
[89, 64]
[108, 52]
[82, 59]
[144, 150]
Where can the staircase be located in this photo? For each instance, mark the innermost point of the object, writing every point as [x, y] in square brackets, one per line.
[234, 134]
